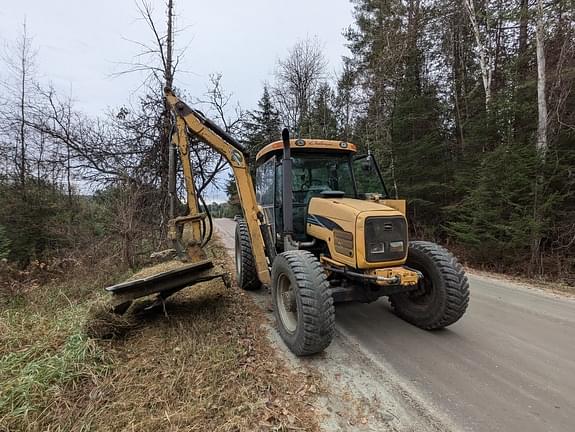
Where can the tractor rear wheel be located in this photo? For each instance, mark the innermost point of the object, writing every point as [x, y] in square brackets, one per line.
[443, 293]
[246, 273]
[302, 301]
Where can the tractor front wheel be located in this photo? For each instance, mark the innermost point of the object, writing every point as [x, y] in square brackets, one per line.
[443, 293]
[303, 305]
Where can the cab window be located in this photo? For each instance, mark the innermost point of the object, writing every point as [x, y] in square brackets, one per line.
[265, 182]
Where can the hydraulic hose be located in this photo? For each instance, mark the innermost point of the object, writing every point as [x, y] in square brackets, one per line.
[206, 237]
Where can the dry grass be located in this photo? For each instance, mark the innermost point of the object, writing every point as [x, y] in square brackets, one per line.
[203, 364]
[553, 287]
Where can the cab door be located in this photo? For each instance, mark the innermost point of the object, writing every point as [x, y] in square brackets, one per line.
[265, 190]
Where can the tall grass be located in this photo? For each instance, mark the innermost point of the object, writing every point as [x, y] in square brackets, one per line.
[41, 354]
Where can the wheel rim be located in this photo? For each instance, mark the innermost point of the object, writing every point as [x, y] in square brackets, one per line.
[286, 303]
[424, 295]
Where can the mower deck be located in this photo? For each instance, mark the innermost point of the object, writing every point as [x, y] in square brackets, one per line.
[164, 284]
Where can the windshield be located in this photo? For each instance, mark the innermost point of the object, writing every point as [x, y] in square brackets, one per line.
[316, 173]
[313, 174]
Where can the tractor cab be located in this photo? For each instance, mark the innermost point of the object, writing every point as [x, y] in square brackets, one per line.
[320, 168]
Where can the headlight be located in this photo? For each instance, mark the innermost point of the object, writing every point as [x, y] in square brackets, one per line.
[396, 246]
[378, 247]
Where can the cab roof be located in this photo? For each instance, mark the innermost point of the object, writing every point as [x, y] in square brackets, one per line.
[308, 144]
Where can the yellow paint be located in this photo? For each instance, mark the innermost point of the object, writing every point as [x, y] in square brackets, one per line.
[308, 144]
[241, 172]
[350, 214]
[192, 200]
[406, 277]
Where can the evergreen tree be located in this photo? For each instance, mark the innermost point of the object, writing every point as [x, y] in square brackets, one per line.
[346, 100]
[234, 207]
[4, 243]
[321, 119]
[447, 100]
[262, 127]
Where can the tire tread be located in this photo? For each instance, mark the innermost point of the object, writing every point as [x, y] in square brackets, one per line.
[318, 311]
[456, 287]
[248, 277]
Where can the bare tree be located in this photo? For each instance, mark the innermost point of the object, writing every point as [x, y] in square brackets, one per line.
[297, 78]
[541, 143]
[207, 164]
[18, 88]
[99, 150]
[160, 60]
[486, 56]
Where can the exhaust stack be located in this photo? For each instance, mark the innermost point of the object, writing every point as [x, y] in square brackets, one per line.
[287, 196]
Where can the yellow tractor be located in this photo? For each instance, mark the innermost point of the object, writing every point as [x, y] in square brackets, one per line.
[317, 228]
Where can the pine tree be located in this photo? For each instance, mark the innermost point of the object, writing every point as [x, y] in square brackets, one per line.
[262, 127]
[321, 121]
[346, 100]
[234, 206]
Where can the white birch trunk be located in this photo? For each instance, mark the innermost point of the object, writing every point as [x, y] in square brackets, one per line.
[485, 57]
[541, 82]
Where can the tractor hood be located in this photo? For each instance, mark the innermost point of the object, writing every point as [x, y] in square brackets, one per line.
[341, 224]
[347, 209]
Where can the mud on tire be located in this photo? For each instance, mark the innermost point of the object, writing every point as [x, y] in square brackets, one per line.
[246, 273]
[443, 295]
[303, 305]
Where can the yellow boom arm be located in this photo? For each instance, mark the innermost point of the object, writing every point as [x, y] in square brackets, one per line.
[210, 134]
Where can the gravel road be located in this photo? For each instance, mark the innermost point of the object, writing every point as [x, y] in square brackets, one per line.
[508, 365]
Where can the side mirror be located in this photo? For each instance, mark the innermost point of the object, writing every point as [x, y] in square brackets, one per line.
[366, 165]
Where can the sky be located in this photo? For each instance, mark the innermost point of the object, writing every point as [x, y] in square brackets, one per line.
[82, 43]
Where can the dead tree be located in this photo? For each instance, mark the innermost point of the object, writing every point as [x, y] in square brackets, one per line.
[297, 79]
[160, 60]
[18, 88]
[486, 56]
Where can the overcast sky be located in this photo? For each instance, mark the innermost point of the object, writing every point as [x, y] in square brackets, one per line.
[81, 42]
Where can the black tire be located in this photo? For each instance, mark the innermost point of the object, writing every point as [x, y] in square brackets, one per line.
[443, 294]
[312, 325]
[246, 273]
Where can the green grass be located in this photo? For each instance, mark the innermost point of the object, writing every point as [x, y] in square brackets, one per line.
[45, 355]
[203, 364]
[43, 352]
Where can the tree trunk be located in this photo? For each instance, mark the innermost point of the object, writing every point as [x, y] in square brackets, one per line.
[22, 131]
[485, 57]
[541, 83]
[541, 145]
[523, 20]
[169, 77]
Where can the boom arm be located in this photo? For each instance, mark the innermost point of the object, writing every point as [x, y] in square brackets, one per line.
[232, 151]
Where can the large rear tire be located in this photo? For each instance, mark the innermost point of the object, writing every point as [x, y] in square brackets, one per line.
[443, 293]
[303, 305]
[246, 273]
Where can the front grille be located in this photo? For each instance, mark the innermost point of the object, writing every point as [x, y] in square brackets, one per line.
[385, 238]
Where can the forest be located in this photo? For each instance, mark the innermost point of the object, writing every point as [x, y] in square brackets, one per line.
[467, 105]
